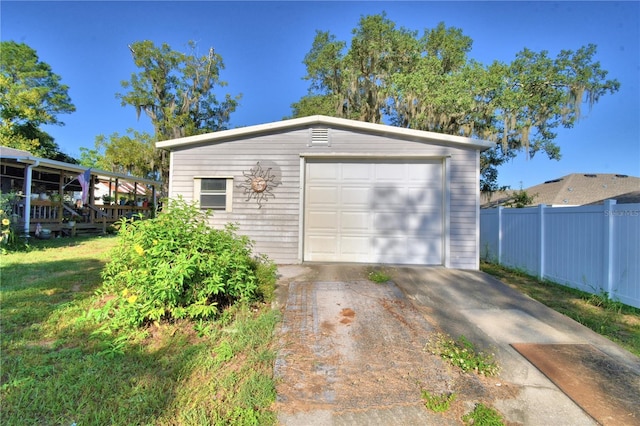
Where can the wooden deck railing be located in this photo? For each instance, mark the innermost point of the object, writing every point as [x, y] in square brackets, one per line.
[54, 214]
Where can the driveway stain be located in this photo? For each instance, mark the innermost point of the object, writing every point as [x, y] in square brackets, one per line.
[354, 353]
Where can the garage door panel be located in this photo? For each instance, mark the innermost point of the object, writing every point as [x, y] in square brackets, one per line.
[424, 197]
[354, 247]
[389, 198]
[322, 195]
[386, 211]
[357, 196]
[407, 251]
[424, 250]
[323, 246]
[389, 249]
[320, 221]
[353, 222]
[428, 171]
[386, 222]
[357, 172]
[419, 224]
[327, 172]
[393, 172]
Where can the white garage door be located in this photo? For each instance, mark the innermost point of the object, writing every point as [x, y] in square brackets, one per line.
[370, 211]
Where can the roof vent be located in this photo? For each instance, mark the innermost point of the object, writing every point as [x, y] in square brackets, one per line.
[320, 136]
[591, 175]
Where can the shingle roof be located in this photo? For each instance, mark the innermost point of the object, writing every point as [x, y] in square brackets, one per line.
[583, 188]
[495, 199]
[628, 198]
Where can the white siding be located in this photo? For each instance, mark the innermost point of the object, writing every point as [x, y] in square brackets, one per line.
[276, 226]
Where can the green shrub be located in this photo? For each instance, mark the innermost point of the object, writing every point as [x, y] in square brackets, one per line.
[176, 266]
[9, 225]
[267, 274]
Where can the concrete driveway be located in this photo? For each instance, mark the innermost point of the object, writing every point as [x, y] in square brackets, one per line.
[353, 352]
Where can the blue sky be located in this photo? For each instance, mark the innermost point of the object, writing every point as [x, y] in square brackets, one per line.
[263, 45]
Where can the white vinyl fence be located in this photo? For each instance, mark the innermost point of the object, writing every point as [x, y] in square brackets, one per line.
[592, 248]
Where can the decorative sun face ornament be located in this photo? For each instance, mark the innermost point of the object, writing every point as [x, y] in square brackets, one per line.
[258, 184]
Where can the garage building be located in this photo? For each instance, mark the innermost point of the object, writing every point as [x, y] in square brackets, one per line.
[324, 189]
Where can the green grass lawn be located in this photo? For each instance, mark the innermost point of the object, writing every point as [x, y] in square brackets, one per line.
[57, 368]
[614, 320]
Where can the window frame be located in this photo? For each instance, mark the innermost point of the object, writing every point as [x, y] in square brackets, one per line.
[228, 192]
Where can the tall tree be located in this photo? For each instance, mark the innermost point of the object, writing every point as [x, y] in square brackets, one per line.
[429, 83]
[31, 96]
[177, 92]
[133, 154]
[355, 82]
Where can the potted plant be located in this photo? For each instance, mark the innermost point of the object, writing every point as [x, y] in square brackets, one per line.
[41, 190]
[56, 198]
[106, 199]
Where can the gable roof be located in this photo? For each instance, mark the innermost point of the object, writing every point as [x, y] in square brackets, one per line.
[583, 188]
[325, 121]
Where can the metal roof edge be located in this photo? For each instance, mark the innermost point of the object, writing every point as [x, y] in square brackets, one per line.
[61, 165]
[323, 120]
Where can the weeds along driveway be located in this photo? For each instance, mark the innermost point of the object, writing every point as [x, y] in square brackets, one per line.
[353, 352]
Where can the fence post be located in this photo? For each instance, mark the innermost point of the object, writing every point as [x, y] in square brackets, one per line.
[607, 267]
[500, 208]
[541, 249]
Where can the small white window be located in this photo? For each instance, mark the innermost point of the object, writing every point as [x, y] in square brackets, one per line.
[215, 193]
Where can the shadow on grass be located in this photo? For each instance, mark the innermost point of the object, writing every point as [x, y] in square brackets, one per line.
[87, 379]
[30, 292]
[614, 320]
[57, 369]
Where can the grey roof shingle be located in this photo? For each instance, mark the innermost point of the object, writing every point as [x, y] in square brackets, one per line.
[578, 189]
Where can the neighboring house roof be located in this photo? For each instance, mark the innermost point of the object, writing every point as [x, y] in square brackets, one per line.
[578, 189]
[321, 120]
[495, 199]
[632, 197]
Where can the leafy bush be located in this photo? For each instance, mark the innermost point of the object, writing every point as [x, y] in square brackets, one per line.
[9, 240]
[176, 266]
